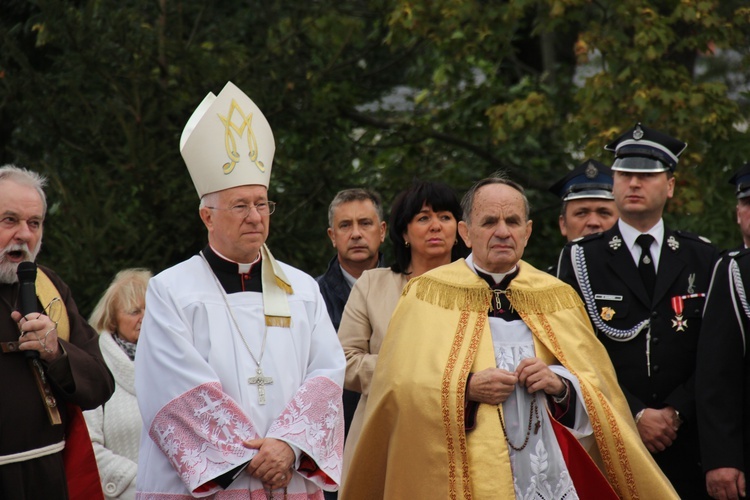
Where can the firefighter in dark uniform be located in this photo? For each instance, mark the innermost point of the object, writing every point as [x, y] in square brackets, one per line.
[722, 378]
[644, 287]
[588, 205]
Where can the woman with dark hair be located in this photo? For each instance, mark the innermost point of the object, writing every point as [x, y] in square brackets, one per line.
[420, 199]
[423, 228]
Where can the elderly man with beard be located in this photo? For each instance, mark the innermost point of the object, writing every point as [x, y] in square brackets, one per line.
[50, 361]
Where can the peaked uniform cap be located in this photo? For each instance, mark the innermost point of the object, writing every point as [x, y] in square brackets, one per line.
[590, 179]
[741, 179]
[642, 149]
[227, 142]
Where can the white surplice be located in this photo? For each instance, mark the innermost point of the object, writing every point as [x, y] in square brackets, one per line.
[192, 372]
[539, 470]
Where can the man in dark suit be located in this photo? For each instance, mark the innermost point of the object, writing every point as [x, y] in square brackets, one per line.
[356, 228]
[644, 287]
[588, 205]
[723, 371]
[723, 379]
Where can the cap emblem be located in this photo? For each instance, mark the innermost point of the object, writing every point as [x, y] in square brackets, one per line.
[638, 133]
[591, 171]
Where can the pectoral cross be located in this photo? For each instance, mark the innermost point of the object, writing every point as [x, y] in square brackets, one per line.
[498, 305]
[261, 382]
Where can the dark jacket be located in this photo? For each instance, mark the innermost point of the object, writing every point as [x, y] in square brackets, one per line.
[722, 379]
[335, 289]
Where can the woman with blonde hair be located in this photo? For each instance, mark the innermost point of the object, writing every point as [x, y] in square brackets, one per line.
[115, 427]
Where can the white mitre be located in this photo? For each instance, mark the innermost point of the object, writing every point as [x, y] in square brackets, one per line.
[227, 142]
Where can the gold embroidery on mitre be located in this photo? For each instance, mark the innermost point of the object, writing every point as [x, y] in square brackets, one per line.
[230, 143]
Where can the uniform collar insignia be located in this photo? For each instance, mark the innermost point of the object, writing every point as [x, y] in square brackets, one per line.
[673, 243]
[615, 242]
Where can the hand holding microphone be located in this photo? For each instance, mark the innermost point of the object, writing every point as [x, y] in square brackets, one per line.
[38, 332]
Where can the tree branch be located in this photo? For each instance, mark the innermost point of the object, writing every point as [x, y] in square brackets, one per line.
[479, 151]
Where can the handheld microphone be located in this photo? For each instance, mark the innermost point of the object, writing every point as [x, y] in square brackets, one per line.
[27, 302]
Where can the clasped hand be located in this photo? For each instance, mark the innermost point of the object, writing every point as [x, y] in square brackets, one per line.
[273, 463]
[494, 385]
[38, 333]
[658, 428]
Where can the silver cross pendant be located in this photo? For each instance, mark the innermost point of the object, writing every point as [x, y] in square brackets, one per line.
[261, 382]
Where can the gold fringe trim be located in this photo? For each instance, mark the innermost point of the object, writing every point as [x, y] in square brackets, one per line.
[478, 298]
[544, 301]
[282, 321]
[450, 296]
[283, 285]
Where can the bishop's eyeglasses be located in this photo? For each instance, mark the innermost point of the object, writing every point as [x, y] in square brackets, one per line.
[243, 210]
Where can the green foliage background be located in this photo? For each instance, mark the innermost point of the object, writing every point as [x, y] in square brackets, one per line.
[94, 94]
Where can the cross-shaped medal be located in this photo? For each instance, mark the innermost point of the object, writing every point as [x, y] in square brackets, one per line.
[261, 382]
